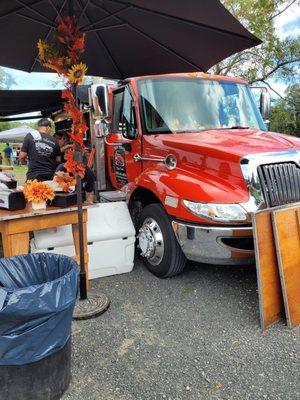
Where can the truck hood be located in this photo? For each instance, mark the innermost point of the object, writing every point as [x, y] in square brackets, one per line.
[236, 142]
[209, 166]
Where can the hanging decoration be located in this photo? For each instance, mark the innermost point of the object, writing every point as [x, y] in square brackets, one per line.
[62, 55]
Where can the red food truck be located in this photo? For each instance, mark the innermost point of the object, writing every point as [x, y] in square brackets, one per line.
[195, 159]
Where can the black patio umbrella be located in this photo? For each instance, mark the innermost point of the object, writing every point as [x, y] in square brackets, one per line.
[126, 38]
[123, 39]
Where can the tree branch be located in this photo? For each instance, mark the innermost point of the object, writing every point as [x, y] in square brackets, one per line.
[273, 90]
[282, 11]
[278, 66]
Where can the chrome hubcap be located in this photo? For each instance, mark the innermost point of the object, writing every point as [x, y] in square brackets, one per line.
[151, 241]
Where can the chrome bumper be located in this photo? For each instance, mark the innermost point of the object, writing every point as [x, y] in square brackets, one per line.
[215, 245]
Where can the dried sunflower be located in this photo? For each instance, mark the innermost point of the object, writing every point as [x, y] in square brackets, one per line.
[43, 48]
[77, 73]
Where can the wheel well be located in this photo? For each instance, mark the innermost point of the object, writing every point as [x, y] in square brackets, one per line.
[145, 196]
[139, 199]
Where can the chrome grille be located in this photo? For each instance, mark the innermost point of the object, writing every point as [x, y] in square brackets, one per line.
[280, 183]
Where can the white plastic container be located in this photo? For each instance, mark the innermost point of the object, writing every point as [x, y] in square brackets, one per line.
[111, 238]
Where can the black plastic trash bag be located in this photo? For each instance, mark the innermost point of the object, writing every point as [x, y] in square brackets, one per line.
[37, 298]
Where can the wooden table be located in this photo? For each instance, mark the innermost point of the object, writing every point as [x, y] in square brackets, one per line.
[6, 168]
[16, 225]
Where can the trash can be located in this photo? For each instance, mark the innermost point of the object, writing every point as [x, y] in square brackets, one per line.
[37, 299]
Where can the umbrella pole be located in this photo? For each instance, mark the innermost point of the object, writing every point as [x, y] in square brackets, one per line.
[82, 276]
[93, 304]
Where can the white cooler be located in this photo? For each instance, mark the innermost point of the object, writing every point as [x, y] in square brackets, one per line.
[111, 238]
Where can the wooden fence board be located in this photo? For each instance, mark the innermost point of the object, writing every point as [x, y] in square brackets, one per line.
[269, 288]
[286, 226]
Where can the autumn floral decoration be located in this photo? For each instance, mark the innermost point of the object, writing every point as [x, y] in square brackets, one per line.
[65, 181]
[62, 55]
[38, 192]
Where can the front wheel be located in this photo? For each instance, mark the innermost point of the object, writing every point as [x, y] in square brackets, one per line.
[158, 244]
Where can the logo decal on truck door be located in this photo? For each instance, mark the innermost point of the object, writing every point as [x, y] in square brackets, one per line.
[120, 166]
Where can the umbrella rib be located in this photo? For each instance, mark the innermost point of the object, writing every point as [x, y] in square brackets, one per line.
[53, 6]
[35, 20]
[101, 41]
[47, 35]
[103, 28]
[83, 10]
[19, 9]
[154, 40]
[86, 27]
[166, 48]
[193, 23]
[34, 11]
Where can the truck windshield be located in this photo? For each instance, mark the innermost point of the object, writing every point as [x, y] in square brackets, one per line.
[193, 104]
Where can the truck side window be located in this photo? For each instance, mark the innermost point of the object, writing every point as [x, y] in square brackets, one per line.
[128, 117]
[117, 113]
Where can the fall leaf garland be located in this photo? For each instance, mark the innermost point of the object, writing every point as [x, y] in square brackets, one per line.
[63, 56]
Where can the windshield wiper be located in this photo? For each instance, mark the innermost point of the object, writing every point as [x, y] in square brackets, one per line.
[239, 127]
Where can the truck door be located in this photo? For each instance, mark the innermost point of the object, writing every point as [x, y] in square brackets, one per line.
[124, 141]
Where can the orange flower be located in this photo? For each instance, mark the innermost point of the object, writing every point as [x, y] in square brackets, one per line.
[64, 180]
[38, 192]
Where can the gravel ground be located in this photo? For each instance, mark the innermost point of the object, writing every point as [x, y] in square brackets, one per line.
[195, 336]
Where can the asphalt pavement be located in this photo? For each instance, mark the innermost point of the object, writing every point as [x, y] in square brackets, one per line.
[195, 336]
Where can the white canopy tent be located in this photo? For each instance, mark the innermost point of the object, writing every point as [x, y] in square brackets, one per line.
[19, 133]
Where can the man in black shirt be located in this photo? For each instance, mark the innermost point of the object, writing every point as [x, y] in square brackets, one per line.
[43, 152]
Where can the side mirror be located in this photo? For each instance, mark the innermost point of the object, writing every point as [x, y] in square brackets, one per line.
[82, 94]
[100, 100]
[265, 104]
[129, 130]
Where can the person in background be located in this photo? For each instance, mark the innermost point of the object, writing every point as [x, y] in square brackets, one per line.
[18, 149]
[64, 143]
[43, 152]
[7, 154]
[1, 159]
[14, 156]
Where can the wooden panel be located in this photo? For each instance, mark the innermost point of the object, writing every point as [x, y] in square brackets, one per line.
[269, 287]
[40, 222]
[14, 245]
[29, 212]
[286, 225]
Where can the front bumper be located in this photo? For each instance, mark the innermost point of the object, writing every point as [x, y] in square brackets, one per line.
[216, 245]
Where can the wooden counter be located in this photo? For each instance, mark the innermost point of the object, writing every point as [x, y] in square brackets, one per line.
[16, 225]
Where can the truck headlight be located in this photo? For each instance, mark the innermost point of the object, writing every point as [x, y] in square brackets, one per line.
[217, 212]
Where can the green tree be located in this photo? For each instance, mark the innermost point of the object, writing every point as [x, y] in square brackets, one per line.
[6, 81]
[274, 57]
[285, 114]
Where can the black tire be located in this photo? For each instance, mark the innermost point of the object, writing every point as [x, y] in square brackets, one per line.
[173, 260]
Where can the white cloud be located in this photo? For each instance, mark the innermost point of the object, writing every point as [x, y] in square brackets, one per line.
[33, 81]
[288, 23]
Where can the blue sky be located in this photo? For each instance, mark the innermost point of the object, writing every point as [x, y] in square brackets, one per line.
[287, 24]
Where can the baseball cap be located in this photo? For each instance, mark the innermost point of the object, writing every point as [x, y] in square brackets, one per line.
[44, 122]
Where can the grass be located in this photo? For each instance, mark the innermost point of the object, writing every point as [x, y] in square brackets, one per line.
[20, 172]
